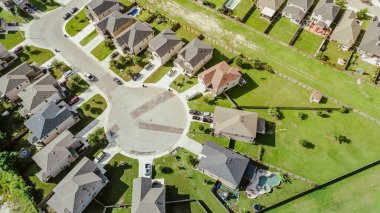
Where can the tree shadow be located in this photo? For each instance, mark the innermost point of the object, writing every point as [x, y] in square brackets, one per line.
[238, 91]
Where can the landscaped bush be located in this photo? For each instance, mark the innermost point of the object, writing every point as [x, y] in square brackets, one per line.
[306, 144]
[97, 138]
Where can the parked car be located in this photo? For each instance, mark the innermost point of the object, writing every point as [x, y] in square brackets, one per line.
[99, 157]
[172, 72]
[148, 169]
[136, 76]
[74, 10]
[74, 100]
[207, 114]
[194, 112]
[118, 81]
[68, 73]
[28, 10]
[196, 117]
[18, 49]
[64, 82]
[13, 23]
[207, 120]
[114, 54]
[149, 66]
[31, 6]
[66, 16]
[89, 76]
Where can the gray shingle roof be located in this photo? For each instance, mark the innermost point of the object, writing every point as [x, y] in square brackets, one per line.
[371, 39]
[163, 42]
[327, 9]
[348, 29]
[148, 196]
[294, 12]
[100, 6]
[195, 51]
[77, 189]
[3, 51]
[223, 162]
[114, 21]
[304, 4]
[15, 77]
[134, 35]
[46, 120]
[272, 4]
[60, 151]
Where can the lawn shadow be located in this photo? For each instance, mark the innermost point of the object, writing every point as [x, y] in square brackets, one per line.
[239, 91]
[269, 138]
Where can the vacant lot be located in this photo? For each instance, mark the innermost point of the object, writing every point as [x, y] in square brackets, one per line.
[11, 39]
[77, 23]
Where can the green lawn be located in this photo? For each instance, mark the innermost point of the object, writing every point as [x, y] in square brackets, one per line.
[143, 16]
[97, 104]
[242, 8]
[119, 189]
[257, 22]
[44, 7]
[77, 23]
[58, 68]
[76, 86]
[218, 3]
[219, 54]
[125, 2]
[9, 16]
[161, 26]
[101, 51]
[183, 82]
[13, 123]
[308, 42]
[11, 39]
[266, 89]
[88, 38]
[359, 193]
[159, 73]
[185, 35]
[356, 63]
[185, 182]
[333, 53]
[284, 30]
[122, 70]
[199, 103]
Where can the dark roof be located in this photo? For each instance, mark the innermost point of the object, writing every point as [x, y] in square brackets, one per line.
[195, 51]
[295, 12]
[100, 6]
[114, 21]
[327, 9]
[148, 196]
[46, 120]
[15, 77]
[134, 35]
[222, 162]
[371, 39]
[163, 42]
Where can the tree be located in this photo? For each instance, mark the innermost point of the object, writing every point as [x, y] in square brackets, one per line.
[8, 160]
[344, 110]
[321, 56]
[97, 138]
[341, 138]
[320, 113]
[362, 14]
[239, 61]
[341, 4]
[306, 144]
[302, 115]
[113, 63]
[136, 60]
[209, 98]
[4, 142]
[274, 112]
[257, 64]
[201, 127]
[108, 43]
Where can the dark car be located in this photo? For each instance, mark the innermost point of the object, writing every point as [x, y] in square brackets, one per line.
[207, 120]
[18, 49]
[148, 169]
[74, 100]
[74, 10]
[196, 117]
[64, 82]
[195, 112]
[136, 76]
[114, 54]
[13, 23]
[149, 66]
[66, 16]
[118, 81]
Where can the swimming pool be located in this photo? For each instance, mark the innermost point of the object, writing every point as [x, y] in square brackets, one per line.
[134, 11]
[231, 4]
[272, 180]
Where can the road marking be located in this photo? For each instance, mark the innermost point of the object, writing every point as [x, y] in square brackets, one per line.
[152, 103]
[161, 128]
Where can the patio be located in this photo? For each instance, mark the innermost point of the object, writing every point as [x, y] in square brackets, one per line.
[317, 30]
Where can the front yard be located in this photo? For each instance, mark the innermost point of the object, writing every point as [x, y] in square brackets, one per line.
[284, 30]
[159, 73]
[12, 38]
[77, 23]
[88, 38]
[102, 50]
[9, 16]
[201, 103]
[183, 82]
[126, 66]
[257, 22]
[308, 42]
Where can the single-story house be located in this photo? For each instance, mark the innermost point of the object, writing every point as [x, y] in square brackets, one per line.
[269, 8]
[135, 39]
[323, 15]
[219, 78]
[193, 56]
[296, 10]
[237, 124]
[6, 57]
[47, 124]
[347, 30]
[78, 188]
[96, 10]
[18, 79]
[148, 195]
[165, 46]
[37, 95]
[57, 155]
[222, 164]
[114, 24]
[316, 97]
[370, 44]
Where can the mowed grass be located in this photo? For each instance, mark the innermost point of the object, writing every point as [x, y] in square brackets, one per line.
[185, 35]
[159, 73]
[218, 3]
[9, 16]
[284, 30]
[102, 51]
[12, 39]
[308, 42]
[257, 22]
[183, 82]
[119, 189]
[143, 16]
[199, 103]
[88, 38]
[44, 7]
[359, 193]
[242, 8]
[333, 53]
[77, 23]
[184, 182]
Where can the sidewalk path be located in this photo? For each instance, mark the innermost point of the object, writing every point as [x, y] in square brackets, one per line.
[191, 145]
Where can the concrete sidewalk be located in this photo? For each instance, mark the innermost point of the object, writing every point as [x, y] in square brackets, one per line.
[93, 43]
[191, 145]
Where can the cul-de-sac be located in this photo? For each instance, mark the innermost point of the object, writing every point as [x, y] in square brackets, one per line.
[189, 106]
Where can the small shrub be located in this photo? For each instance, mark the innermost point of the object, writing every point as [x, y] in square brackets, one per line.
[306, 144]
[341, 138]
[274, 112]
[87, 107]
[302, 115]
[167, 170]
[344, 110]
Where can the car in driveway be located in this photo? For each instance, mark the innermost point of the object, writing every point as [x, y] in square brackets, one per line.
[18, 49]
[172, 72]
[149, 66]
[207, 114]
[196, 117]
[73, 10]
[148, 170]
[194, 112]
[29, 10]
[207, 120]
[73, 100]
[99, 157]
[68, 73]
[89, 76]
[13, 24]
[66, 16]
[64, 82]
[136, 76]
[118, 81]
[114, 54]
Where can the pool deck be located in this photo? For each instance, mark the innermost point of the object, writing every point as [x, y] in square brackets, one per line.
[252, 189]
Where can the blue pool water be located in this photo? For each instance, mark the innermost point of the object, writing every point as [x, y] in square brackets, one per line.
[272, 180]
[133, 12]
[231, 4]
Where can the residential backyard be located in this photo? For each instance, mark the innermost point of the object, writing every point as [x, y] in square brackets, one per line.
[183, 182]
[102, 50]
[357, 63]
[242, 8]
[159, 73]
[185, 35]
[308, 42]
[201, 103]
[284, 30]
[12, 39]
[334, 53]
[77, 23]
[88, 38]
[218, 3]
[143, 16]
[257, 22]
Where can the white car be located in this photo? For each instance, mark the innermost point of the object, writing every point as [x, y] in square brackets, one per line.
[99, 157]
[68, 73]
[89, 76]
[172, 72]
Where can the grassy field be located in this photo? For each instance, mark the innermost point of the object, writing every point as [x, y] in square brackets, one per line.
[178, 185]
[12, 38]
[9, 16]
[308, 42]
[44, 7]
[242, 8]
[159, 73]
[284, 30]
[199, 103]
[257, 22]
[97, 104]
[101, 51]
[183, 82]
[119, 189]
[358, 193]
[77, 23]
[88, 38]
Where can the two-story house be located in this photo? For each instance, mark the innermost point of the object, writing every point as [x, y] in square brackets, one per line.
[96, 10]
[347, 30]
[369, 47]
[322, 17]
[114, 24]
[165, 46]
[296, 10]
